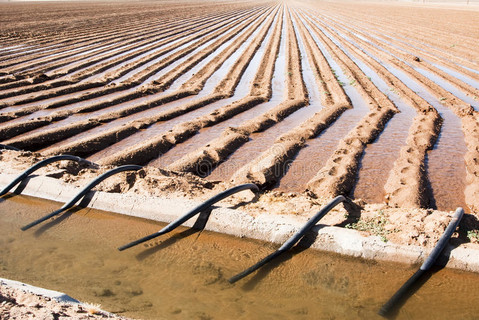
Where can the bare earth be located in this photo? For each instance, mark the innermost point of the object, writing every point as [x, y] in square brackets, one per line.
[16, 303]
[306, 99]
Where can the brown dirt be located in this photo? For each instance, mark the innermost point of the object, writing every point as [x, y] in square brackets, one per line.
[19, 304]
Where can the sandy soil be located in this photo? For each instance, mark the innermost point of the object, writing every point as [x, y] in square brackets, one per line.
[129, 83]
[16, 303]
[409, 226]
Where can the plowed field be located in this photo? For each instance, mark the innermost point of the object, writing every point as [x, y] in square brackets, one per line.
[376, 101]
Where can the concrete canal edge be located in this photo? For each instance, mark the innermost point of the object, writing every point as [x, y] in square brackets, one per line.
[56, 295]
[265, 227]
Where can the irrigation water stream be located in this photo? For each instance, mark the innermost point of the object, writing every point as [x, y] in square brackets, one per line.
[184, 275]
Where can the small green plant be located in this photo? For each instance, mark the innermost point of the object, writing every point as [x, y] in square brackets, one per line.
[290, 74]
[394, 90]
[352, 82]
[337, 78]
[442, 98]
[373, 225]
[473, 235]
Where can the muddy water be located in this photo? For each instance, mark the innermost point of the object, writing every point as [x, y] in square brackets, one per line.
[210, 133]
[314, 155]
[161, 127]
[183, 275]
[208, 88]
[379, 157]
[445, 163]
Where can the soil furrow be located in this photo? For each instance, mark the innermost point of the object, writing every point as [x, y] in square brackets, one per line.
[95, 69]
[144, 31]
[269, 166]
[141, 91]
[422, 136]
[195, 84]
[105, 138]
[155, 147]
[339, 174]
[412, 59]
[425, 49]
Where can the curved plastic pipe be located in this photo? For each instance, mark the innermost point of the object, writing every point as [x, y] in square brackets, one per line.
[291, 241]
[205, 205]
[35, 167]
[83, 192]
[430, 261]
[7, 147]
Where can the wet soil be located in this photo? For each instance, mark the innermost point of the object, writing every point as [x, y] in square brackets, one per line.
[378, 101]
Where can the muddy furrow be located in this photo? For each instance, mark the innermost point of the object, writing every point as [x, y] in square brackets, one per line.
[69, 51]
[164, 32]
[339, 174]
[96, 67]
[206, 31]
[470, 127]
[435, 37]
[208, 100]
[106, 78]
[415, 59]
[164, 82]
[231, 139]
[444, 57]
[126, 32]
[52, 37]
[258, 94]
[93, 36]
[403, 188]
[438, 56]
[192, 87]
[225, 88]
[117, 17]
[194, 84]
[268, 167]
[407, 185]
[423, 52]
[136, 80]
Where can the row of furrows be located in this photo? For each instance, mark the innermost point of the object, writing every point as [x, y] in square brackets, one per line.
[145, 48]
[103, 96]
[250, 139]
[460, 46]
[386, 33]
[134, 80]
[224, 88]
[45, 26]
[400, 183]
[98, 33]
[82, 50]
